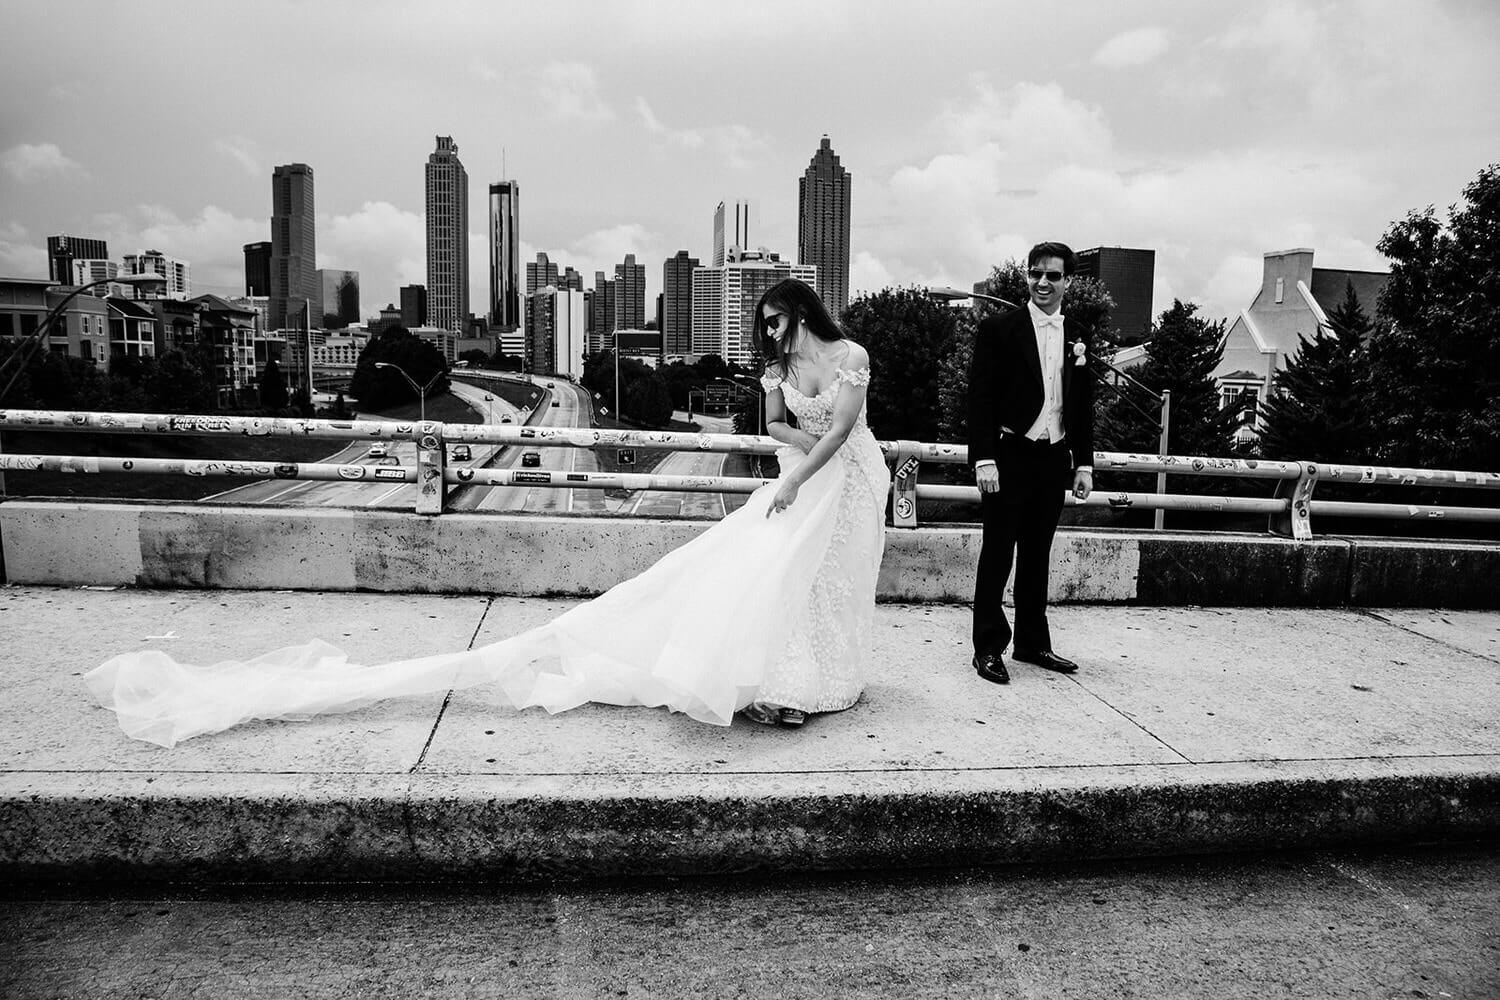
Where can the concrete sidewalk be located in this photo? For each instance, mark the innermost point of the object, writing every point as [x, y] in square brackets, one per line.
[1186, 730]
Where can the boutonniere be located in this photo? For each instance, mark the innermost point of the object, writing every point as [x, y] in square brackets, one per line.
[1080, 354]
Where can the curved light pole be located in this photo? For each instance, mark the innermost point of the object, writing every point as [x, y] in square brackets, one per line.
[24, 350]
[421, 389]
[1162, 399]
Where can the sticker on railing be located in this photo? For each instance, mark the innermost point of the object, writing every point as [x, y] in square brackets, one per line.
[385, 473]
[531, 477]
[352, 471]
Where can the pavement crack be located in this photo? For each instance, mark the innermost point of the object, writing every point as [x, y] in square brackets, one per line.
[1423, 635]
[1185, 758]
[448, 697]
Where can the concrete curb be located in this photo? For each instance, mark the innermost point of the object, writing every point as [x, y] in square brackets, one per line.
[66, 543]
[518, 829]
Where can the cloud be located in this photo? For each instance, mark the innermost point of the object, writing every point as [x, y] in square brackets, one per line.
[484, 71]
[387, 246]
[734, 145]
[1133, 48]
[211, 242]
[1030, 163]
[27, 162]
[243, 151]
[20, 256]
[571, 93]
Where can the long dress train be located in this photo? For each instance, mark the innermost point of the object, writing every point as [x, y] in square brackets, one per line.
[775, 611]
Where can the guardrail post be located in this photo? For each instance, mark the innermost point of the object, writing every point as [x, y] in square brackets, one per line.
[904, 485]
[432, 491]
[1296, 520]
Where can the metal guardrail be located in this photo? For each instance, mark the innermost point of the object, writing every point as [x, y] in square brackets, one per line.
[1289, 511]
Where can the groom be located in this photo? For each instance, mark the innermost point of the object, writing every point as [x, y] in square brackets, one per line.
[1031, 436]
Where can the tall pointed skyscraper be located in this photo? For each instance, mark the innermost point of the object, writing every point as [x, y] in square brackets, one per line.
[823, 225]
[505, 255]
[447, 237]
[294, 249]
[630, 294]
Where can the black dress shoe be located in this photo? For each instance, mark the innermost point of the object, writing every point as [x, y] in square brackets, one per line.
[1045, 659]
[991, 667]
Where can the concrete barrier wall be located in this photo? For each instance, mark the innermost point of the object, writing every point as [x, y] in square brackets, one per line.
[258, 548]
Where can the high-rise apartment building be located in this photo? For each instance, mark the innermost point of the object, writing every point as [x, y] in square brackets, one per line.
[677, 303]
[63, 250]
[177, 272]
[258, 268]
[86, 271]
[570, 279]
[823, 225]
[630, 294]
[1128, 276]
[340, 295]
[730, 233]
[505, 254]
[555, 335]
[724, 301]
[413, 306]
[447, 237]
[294, 250]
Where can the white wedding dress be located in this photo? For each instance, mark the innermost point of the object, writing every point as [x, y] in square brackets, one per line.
[775, 611]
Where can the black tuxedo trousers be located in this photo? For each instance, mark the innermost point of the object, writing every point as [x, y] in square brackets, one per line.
[1019, 522]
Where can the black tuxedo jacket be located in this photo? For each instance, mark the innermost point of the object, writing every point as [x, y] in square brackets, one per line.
[1005, 386]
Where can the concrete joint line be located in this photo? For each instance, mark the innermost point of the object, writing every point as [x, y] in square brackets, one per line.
[1422, 635]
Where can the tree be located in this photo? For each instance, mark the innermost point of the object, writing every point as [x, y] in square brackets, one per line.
[1317, 409]
[379, 388]
[474, 356]
[647, 400]
[272, 386]
[908, 334]
[1086, 301]
[1434, 384]
[179, 385]
[1181, 355]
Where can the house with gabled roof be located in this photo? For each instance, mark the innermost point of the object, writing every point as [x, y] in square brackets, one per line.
[1293, 302]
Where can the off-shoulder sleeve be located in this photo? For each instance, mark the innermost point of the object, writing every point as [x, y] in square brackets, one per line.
[769, 382]
[859, 377]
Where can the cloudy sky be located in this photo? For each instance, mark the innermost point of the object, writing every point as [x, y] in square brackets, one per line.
[1209, 131]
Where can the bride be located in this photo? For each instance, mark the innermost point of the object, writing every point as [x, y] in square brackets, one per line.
[768, 613]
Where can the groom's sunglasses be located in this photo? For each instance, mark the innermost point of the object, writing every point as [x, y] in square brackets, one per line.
[1037, 274]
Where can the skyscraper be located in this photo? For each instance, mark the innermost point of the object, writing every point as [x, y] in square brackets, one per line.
[447, 237]
[601, 313]
[294, 248]
[505, 254]
[540, 273]
[729, 234]
[630, 294]
[258, 268]
[823, 225]
[1128, 276]
[63, 250]
[340, 295]
[677, 303]
[413, 306]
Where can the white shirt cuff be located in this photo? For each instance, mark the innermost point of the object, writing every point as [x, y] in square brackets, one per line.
[1085, 468]
[984, 463]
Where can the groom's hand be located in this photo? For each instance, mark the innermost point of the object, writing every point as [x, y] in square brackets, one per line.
[987, 478]
[1083, 483]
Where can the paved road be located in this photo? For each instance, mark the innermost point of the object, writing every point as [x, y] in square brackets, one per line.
[369, 494]
[1350, 924]
[688, 463]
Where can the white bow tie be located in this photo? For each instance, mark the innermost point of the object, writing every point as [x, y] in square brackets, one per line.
[1056, 321]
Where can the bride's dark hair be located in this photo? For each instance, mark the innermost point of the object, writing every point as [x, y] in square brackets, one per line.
[800, 304]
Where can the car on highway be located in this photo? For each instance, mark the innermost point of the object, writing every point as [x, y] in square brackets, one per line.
[505, 418]
[462, 453]
[552, 385]
[379, 450]
[531, 459]
[554, 402]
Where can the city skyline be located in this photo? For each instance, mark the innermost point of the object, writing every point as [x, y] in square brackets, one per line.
[1212, 135]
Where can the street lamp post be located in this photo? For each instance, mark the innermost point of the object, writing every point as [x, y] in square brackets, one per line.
[619, 410]
[1163, 399]
[421, 389]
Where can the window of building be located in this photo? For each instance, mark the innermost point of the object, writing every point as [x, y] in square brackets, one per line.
[1280, 289]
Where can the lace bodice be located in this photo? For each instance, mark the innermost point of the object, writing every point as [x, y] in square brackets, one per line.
[815, 413]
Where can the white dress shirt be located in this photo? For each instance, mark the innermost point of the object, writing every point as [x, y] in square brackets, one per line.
[1049, 348]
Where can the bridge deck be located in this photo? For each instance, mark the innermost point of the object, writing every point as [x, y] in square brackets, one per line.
[1186, 730]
